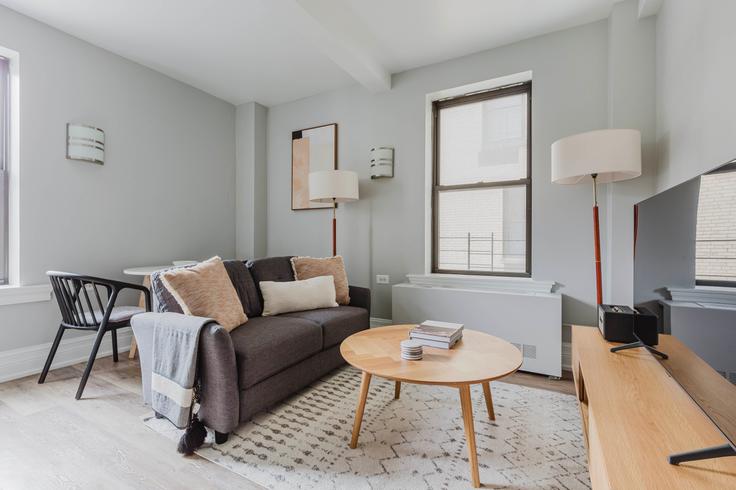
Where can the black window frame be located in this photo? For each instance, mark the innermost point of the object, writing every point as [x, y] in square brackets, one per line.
[437, 106]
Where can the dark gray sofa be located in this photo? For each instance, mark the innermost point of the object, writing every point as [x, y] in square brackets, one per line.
[267, 358]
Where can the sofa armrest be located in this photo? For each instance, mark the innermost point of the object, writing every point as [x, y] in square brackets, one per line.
[218, 374]
[360, 297]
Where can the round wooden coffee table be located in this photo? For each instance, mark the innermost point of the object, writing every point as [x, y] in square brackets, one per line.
[478, 358]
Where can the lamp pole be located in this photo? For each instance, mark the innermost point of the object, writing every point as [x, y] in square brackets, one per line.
[334, 227]
[597, 242]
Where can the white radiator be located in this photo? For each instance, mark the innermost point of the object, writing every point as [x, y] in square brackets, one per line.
[532, 321]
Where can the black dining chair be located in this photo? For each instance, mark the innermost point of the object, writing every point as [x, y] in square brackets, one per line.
[79, 312]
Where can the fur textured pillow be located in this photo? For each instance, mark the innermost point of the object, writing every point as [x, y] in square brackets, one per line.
[205, 290]
[309, 294]
[308, 267]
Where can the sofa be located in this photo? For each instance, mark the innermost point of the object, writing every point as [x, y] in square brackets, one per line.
[264, 360]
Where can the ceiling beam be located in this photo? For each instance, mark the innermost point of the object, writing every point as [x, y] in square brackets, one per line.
[649, 7]
[341, 36]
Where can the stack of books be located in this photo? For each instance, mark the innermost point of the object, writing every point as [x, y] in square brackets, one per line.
[437, 334]
[411, 350]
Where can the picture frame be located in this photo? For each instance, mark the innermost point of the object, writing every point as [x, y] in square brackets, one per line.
[312, 149]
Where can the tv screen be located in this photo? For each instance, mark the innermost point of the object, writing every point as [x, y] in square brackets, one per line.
[685, 273]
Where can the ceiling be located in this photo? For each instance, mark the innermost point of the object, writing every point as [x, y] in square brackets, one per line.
[274, 51]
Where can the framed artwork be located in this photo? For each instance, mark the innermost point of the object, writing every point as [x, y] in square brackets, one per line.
[312, 149]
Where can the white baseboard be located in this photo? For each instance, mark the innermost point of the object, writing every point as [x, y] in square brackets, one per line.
[25, 361]
[380, 322]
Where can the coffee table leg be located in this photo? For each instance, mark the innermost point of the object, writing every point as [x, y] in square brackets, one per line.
[489, 400]
[467, 406]
[397, 390]
[365, 382]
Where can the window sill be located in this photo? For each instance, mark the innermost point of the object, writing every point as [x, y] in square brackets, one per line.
[13, 295]
[525, 285]
[704, 294]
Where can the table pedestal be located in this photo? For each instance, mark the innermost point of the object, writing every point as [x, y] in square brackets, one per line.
[141, 304]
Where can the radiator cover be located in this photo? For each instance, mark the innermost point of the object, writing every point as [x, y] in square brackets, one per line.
[532, 321]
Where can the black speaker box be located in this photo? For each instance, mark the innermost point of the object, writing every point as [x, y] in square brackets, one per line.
[618, 323]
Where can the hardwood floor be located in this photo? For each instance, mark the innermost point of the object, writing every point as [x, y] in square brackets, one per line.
[51, 440]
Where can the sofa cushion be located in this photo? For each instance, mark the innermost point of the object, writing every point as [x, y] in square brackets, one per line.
[239, 275]
[288, 296]
[245, 286]
[206, 290]
[276, 269]
[309, 267]
[337, 323]
[266, 345]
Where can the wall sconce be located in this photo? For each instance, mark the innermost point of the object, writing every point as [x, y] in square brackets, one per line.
[382, 162]
[85, 143]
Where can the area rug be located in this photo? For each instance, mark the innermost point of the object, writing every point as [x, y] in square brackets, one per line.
[412, 443]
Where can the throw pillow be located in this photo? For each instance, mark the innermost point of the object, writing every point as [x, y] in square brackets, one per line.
[205, 290]
[309, 294]
[308, 267]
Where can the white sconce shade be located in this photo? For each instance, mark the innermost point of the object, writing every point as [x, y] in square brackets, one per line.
[85, 143]
[333, 186]
[611, 154]
[382, 162]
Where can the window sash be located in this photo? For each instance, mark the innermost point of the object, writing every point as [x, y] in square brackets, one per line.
[437, 106]
[4, 155]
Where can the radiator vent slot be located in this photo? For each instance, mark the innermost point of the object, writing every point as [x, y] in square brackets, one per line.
[529, 351]
[732, 377]
[518, 346]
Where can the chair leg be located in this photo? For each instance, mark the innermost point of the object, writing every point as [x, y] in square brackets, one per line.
[90, 361]
[114, 333]
[52, 353]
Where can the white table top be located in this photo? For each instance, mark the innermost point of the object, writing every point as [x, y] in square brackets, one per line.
[146, 270]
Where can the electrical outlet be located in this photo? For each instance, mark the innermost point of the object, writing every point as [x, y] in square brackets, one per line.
[382, 279]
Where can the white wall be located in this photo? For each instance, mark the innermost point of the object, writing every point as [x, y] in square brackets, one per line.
[383, 233]
[696, 100]
[166, 190]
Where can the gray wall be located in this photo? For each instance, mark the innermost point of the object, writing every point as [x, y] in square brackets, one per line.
[166, 190]
[631, 85]
[250, 180]
[696, 100]
[383, 233]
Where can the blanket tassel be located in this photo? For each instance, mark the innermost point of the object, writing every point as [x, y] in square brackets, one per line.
[193, 437]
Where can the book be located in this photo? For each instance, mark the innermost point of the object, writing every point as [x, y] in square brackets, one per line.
[435, 343]
[438, 338]
[438, 329]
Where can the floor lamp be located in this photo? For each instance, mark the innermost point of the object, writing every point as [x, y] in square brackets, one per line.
[333, 186]
[604, 156]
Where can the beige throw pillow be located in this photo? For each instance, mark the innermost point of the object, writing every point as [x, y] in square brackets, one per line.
[310, 294]
[206, 290]
[308, 267]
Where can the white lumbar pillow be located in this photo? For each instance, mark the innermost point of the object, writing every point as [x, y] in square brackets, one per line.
[309, 294]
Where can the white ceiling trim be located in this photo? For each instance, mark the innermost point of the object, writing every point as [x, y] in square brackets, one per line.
[338, 34]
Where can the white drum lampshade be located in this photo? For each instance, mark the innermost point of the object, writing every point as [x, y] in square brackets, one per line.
[333, 186]
[611, 154]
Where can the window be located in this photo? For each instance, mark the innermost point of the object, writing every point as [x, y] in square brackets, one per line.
[715, 239]
[481, 192]
[4, 159]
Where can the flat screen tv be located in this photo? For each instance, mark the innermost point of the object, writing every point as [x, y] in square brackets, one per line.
[685, 273]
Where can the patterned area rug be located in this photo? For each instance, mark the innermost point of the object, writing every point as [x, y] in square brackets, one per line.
[414, 442]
